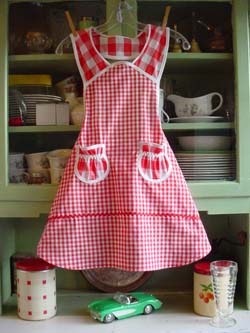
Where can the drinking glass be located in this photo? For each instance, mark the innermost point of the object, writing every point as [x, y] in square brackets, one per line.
[224, 275]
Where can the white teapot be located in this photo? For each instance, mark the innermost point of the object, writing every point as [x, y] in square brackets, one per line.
[195, 107]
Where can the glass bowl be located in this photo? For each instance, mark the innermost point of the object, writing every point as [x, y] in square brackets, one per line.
[37, 42]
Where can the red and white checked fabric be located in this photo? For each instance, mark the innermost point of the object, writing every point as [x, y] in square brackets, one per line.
[123, 201]
[91, 164]
[153, 162]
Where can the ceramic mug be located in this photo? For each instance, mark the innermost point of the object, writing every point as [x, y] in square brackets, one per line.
[37, 161]
[59, 158]
[16, 160]
[18, 176]
[56, 175]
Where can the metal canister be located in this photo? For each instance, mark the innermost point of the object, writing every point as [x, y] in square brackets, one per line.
[36, 289]
[204, 302]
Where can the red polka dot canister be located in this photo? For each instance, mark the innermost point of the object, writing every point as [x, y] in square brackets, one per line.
[36, 289]
[204, 303]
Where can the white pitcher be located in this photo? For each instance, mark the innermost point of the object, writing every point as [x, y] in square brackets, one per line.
[195, 107]
[161, 111]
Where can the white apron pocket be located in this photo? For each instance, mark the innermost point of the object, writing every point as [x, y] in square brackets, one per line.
[91, 164]
[153, 162]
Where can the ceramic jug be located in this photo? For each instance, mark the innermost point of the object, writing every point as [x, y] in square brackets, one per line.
[162, 113]
[197, 106]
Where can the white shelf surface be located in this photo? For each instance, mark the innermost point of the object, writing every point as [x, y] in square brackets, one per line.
[176, 316]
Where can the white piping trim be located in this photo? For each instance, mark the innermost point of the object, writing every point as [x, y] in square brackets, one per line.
[110, 65]
[124, 58]
[163, 64]
[165, 54]
[165, 174]
[152, 155]
[103, 155]
[73, 40]
[119, 63]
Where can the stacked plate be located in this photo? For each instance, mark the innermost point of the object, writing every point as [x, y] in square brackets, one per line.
[15, 110]
[201, 119]
[17, 107]
[30, 100]
[207, 165]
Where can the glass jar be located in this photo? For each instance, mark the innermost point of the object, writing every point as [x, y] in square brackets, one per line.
[204, 303]
[36, 289]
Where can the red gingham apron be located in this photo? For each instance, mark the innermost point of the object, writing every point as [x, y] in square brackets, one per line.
[123, 201]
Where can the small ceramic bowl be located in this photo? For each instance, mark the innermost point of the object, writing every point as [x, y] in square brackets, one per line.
[38, 42]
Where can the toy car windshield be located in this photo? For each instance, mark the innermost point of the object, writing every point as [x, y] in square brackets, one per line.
[124, 299]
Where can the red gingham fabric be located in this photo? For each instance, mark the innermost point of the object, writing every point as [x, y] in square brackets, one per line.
[123, 201]
[153, 162]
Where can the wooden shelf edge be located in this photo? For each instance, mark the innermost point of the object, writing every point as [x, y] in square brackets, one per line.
[42, 129]
[165, 127]
[69, 56]
[197, 126]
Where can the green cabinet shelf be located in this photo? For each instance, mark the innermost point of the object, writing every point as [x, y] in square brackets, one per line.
[165, 126]
[43, 129]
[55, 63]
[197, 126]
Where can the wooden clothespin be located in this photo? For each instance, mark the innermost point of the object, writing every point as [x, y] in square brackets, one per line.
[71, 24]
[165, 17]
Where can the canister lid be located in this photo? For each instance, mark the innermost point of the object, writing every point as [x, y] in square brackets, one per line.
[30, 79]
[33, 264]
[202, 267]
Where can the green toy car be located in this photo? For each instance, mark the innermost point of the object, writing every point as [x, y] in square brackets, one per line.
[123, 306]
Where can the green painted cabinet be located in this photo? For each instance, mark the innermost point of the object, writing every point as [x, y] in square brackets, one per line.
[213, 196]
[24, 207]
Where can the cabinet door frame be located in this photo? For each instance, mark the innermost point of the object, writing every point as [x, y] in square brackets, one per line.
[4, 95]
[209, 196]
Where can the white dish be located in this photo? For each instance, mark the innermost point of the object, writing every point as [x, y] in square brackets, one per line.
[213, 177]
[205, 157]
[220, 174]
[205, 142]
[40, 96]
[211, 154]
[193, 162]
[206, 161]
[206, 172]
[201, 119]
[221, 177]
[206, 167]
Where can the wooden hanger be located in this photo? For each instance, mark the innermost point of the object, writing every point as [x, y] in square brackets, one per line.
[165, 17]
[71, 24]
